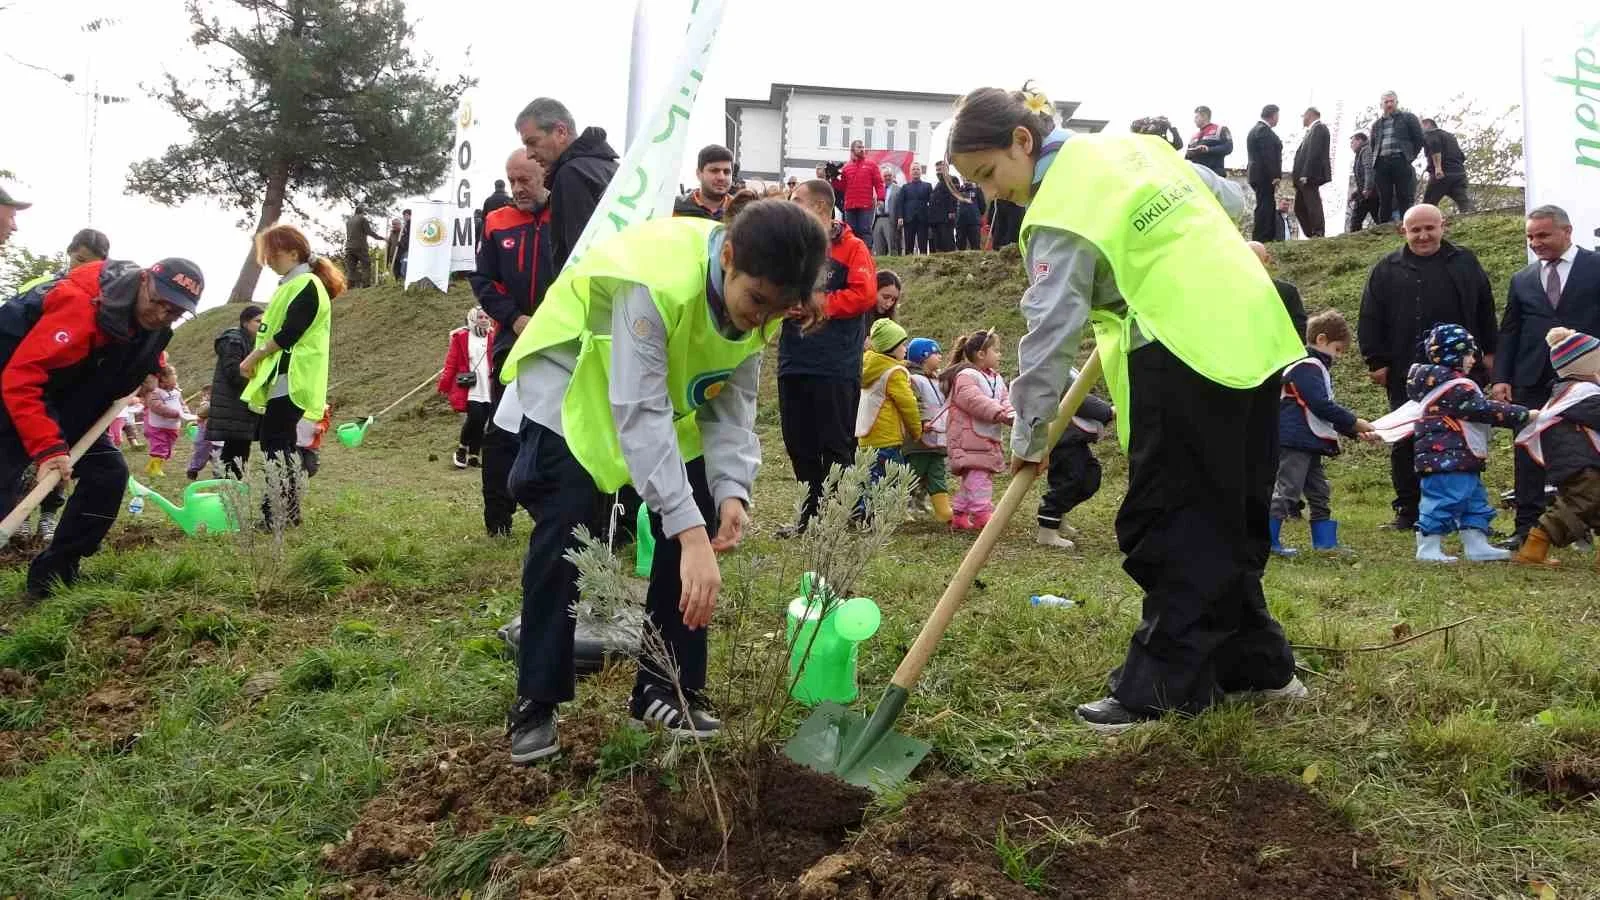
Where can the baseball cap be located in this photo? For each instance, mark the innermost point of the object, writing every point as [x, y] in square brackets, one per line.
[8, 200]
[178, 281]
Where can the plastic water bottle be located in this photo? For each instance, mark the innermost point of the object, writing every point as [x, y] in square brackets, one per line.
[1052, 600]
[136, 505]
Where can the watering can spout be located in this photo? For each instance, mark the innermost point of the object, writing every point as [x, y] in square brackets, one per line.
[204, 510]
[167, 506]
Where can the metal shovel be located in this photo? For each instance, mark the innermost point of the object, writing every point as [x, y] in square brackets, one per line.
[869, 752]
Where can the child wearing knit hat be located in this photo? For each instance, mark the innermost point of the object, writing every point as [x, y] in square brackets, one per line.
[1565, 439]
[888, 410]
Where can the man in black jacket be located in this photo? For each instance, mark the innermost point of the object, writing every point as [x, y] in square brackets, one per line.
[1363, 195]
[1396, 141]
[942, 211]
[1428, 282]
[231, 420]
[1210, 145]
[1313, 168]
[1266, 167]
[969, 217]
[513, 272]
[913, 218]
[1447, 167]
[714, 168]
[1561, 288]
[577, 169]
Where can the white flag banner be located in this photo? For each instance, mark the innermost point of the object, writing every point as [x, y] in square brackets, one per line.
[646, 182]
[471, 179]
[428, 256]
[1561, 127]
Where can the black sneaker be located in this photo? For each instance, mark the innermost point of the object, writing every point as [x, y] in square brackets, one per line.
[1108, 716]
[658, 707]
[475, 460]
[459, 458]
[532, 727]
[790, 531]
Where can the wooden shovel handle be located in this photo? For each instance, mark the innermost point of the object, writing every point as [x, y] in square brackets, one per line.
[47, 482]
[956, 593]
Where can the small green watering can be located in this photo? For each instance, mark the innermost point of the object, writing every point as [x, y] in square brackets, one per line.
[204, 509]
[351, 434]
[825, 633]
[192, 430]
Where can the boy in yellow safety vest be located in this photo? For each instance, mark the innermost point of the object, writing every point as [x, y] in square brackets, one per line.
[641, 366]
[1123, 234]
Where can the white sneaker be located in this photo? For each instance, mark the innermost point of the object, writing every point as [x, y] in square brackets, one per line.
[1294, 690]
[1048, 537]
[47, 527]
[24, 531]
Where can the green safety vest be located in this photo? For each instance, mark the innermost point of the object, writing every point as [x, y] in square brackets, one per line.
[1187, 276]
[667, 256]
[308, 364]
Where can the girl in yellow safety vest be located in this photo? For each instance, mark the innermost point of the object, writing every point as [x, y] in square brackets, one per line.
[1123, 234]
[288, 369]
[641, 366]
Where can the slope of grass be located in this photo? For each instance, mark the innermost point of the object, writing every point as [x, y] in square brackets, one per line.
[264, 720]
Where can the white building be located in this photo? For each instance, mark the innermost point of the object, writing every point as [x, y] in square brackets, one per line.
[801, 125]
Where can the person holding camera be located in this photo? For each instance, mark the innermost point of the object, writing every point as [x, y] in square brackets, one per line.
[466, 382]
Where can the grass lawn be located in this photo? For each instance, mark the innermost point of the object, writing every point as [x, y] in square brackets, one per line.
[203, 718]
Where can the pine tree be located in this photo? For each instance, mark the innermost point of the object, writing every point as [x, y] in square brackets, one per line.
[320, 100]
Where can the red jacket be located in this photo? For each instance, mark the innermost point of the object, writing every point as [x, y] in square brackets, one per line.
[514, 269]
[863, 184]
[852, 276]
[82, 352]
[457, 360]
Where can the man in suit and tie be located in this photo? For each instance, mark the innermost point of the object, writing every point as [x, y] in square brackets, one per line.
[1266, 167]
[1560, 287]
[1313, 168]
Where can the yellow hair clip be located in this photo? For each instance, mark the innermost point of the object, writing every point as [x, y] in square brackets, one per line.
[1037, 103]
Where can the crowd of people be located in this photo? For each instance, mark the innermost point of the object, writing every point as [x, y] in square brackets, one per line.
[629, 376]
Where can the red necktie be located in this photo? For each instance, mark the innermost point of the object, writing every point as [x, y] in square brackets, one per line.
[1552, 284]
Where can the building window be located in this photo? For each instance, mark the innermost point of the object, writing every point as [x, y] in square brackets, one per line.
[822, 131]
[866, 129]
[890, 124]
[911, 135]
[844, 131]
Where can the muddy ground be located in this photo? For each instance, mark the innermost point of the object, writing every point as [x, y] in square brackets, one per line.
[1156, 825]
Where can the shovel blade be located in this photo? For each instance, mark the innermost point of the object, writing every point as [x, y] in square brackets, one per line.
[864, 753]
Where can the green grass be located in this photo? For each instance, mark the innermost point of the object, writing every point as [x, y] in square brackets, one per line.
[379, 640]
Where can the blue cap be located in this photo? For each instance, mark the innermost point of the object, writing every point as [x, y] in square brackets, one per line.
[920, 349]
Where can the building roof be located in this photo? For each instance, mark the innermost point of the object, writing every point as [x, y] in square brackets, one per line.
[781, 89]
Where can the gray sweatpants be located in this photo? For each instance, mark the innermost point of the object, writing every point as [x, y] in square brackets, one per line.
[1300, 475]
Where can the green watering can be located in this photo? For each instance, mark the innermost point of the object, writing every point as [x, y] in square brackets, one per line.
[644, 544]
[192, 430]
[824, 633]
[351, 434]
[204, 509]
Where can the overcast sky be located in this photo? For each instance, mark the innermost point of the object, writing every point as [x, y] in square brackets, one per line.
[1164, 60]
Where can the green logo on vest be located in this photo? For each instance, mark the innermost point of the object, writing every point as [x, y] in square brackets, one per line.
[705, 388]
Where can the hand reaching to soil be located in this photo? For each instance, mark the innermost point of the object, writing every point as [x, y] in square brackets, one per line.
[701, 579]
[731, 525]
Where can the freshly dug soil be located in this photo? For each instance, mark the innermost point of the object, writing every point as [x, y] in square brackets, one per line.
[1570, 779]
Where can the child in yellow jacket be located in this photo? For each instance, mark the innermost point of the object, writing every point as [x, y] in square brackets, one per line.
[888, 411]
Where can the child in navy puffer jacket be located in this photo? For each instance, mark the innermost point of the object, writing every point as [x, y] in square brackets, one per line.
[1452, 444]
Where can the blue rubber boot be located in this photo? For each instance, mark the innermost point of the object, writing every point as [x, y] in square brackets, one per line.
[1325, 537]
[1278, 549]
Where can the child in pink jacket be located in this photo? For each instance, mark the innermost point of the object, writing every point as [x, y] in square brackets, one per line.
[979, 405]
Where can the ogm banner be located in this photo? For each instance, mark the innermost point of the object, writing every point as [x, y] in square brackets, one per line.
[471, 180]
[646, 182]
[429, 251]
[1560, 122]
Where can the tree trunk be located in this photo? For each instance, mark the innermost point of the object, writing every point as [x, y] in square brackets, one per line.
[271, 209]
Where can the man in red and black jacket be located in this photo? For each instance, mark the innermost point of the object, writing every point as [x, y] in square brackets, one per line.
[514, 270]
[819, 372]
[66, 354]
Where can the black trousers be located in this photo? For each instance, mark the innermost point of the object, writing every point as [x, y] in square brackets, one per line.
[1363, 207]
[1402, 456]
[102, 476]
[969, 237]
[819, 430]
[1264, 224]
[235, 453]
[1452, 186]
[1530, 476]
[915, 238]
[278, 443]
[472, 427]
[1194, 528]
[1074, 477]
[942, 235]
[556, 490]
[499, 451]
[1308, 210]
[1396, 182]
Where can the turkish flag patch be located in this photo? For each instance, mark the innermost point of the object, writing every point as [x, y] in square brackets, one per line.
[508, 243]
[1041, 270]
